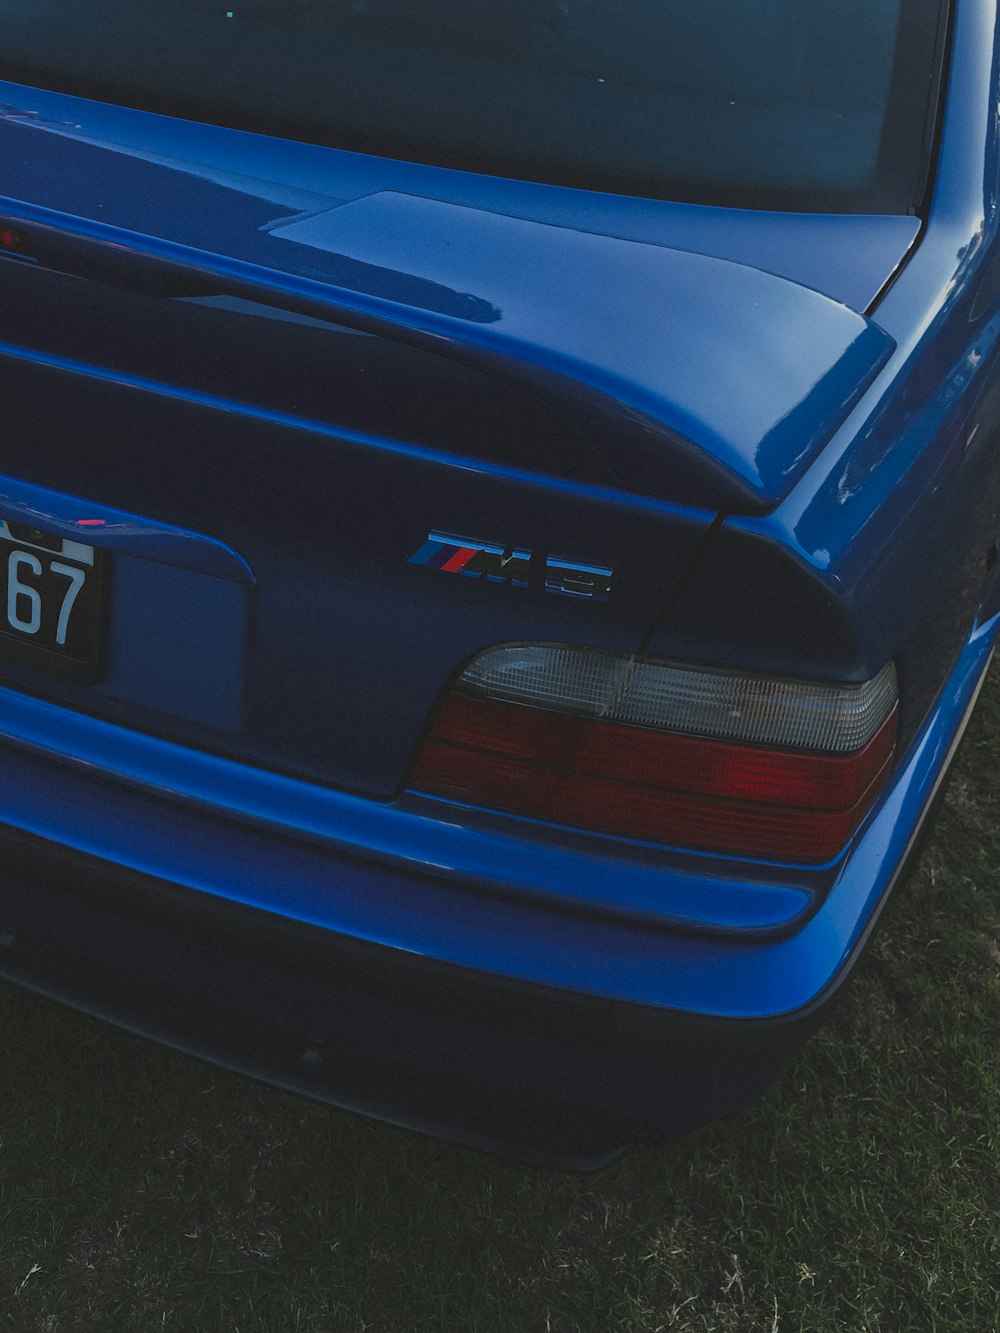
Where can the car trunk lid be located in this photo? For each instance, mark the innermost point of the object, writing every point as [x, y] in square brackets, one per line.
[324, 389]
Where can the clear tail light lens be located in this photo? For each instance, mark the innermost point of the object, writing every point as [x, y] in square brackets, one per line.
[737, 764]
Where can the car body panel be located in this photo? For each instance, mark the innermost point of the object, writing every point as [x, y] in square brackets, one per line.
[411, 835]
[729, 323]
[894, 523]
[874, 537]
[479, 288]
[396, 894]
[848, 258]
[111, 329]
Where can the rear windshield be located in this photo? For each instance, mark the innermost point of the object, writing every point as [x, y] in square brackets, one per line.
[791, 104]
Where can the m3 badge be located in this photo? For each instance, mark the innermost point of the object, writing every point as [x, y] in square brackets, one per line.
[492, 563]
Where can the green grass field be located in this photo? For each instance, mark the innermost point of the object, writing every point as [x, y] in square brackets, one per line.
[140, 1190]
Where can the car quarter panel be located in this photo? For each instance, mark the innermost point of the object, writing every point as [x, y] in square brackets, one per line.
[893, 527]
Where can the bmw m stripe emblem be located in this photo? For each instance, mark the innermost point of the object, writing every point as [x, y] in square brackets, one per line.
[474, 559]
[491, 562]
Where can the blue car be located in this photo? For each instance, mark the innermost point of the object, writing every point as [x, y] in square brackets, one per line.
[499, 531]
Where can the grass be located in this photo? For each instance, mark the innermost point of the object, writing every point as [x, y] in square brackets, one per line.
[140, 1190]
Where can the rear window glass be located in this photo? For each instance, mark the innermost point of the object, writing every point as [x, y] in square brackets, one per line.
[774, 103]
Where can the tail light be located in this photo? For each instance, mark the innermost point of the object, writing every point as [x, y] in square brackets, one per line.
[739, 764]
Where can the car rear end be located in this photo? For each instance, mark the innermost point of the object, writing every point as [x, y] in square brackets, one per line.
[417, 686]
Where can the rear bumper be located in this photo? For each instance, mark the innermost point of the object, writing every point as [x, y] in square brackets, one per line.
[540, 1074]
[503, 1021]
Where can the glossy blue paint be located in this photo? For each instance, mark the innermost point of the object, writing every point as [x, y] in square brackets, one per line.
[340, 617]
[729, 322]
[311, 360]
[884, 546]
[413, 834]
[845, 257]
[124, 534]
[415, 903]
[480, 288]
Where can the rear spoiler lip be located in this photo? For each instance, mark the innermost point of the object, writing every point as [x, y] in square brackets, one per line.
[659, 437]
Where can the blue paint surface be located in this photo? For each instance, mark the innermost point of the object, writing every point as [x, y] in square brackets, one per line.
[267, 371]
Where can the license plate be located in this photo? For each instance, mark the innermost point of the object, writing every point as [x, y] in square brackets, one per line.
[52, 603]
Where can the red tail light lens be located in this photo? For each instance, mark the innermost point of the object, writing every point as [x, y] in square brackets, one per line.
[536, 732]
